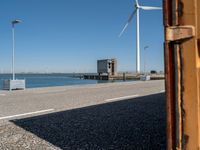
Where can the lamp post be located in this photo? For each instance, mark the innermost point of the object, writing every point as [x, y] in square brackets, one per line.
[145, 59]
[14, 84]
[13, 48]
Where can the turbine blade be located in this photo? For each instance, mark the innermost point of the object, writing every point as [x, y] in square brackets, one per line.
[150, 8]
[129, 20]
[123, 29]
[136, 2]
[132, 15]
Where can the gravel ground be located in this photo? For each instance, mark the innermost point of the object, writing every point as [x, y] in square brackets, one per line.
[136, 124]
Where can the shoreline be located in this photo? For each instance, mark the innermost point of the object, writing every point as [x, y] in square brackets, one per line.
[128, 82]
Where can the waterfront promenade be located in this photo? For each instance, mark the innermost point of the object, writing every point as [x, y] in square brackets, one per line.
[127, 115]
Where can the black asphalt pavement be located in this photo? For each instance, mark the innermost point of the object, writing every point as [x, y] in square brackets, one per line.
[135, 124]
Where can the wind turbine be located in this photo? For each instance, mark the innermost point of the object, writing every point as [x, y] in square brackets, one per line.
[137, 12]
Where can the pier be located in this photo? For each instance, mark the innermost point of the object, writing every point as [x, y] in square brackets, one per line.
[122, 76]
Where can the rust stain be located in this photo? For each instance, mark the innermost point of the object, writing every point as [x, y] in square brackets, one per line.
[198, 43]
[169, 78]
[169, 85]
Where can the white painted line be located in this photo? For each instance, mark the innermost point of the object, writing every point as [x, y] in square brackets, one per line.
[25, 114]
[2, 94]
[162, 91]
[121, 98]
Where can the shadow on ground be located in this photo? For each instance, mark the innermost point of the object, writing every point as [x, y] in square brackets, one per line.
[133, 124]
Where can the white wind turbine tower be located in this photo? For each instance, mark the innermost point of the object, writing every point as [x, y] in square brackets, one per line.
[137, 12]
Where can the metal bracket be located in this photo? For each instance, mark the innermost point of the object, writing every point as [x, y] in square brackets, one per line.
[179, 33]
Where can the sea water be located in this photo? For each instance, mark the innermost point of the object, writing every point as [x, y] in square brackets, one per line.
[49, 80]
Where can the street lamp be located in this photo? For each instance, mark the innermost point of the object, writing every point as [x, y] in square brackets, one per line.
[13, 48]
[14, 83]
[145, 77]
[145, 59]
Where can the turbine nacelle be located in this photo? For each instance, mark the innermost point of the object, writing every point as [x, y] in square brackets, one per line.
[136, 6]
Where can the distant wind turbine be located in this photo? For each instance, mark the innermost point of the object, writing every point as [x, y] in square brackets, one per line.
[137, 12]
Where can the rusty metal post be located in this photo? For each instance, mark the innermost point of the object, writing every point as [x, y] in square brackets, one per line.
[169, 78]
[182, 70]
[169, 85]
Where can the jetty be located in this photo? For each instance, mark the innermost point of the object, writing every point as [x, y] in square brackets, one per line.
[107, 70]
[122, 76]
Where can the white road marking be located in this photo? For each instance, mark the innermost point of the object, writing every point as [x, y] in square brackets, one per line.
[162, 91]
[25, 114]
[121, 98]
[2, 94]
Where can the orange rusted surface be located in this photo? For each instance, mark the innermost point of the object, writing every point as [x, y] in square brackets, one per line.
[182, 66]
[191, 77]
[177, 33]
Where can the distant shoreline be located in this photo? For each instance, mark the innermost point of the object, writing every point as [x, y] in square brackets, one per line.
[50, 80]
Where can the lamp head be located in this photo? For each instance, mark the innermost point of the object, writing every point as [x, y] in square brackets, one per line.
[16, 21]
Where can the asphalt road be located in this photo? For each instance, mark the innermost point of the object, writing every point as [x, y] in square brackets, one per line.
[97, 117]
[45, 100]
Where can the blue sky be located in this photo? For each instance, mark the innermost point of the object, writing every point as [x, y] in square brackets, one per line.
[70, 35]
